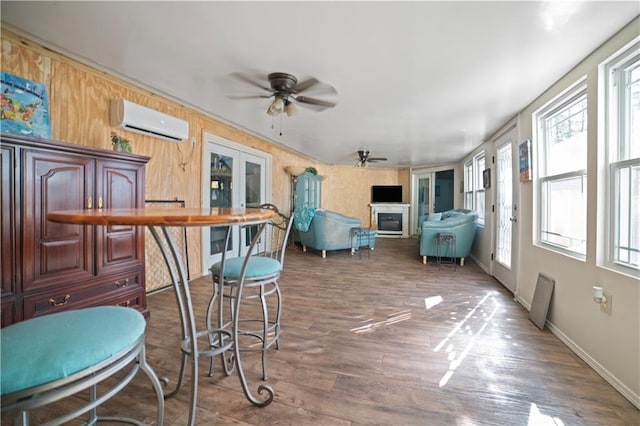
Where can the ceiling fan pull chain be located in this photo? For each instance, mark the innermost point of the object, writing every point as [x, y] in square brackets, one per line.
[280, 124]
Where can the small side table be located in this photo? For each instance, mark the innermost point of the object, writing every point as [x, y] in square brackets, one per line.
[360, 237]
[446, 247]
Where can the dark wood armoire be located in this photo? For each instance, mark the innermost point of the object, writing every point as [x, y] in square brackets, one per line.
[48, 267]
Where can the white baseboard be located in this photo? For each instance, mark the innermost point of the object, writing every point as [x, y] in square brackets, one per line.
[634, 398]
[482, 266]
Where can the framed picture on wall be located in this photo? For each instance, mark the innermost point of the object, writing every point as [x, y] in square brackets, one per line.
[524, 151]
[25, 107]
[486, 178]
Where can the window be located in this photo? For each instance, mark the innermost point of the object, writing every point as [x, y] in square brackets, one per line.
[468, 185]
[478, 161]
[622, 132]
[561, 135]
[473, 190]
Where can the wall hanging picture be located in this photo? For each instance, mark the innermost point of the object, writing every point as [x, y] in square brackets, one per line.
[25, 107]
[525, 161]
[486, 178]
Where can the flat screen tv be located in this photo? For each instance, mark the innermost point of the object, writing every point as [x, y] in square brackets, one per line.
[386, 193]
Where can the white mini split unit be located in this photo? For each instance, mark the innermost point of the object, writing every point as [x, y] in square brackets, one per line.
[140, 119]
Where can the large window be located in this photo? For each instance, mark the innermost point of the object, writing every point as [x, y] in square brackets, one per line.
[622, 124]
[474, 194]
[561, 136]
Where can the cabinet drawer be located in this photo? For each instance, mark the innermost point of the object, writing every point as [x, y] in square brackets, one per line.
[83, 295]
[136, 300]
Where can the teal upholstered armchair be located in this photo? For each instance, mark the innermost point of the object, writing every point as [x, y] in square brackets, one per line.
[329, 230]
[460, 222]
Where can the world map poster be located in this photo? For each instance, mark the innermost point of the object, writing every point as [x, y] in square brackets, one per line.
[24, 107]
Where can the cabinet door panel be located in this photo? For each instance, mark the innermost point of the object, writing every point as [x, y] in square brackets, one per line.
[55, 253]
[120, 246]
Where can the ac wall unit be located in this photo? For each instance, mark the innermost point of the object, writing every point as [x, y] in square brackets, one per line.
[140, 119]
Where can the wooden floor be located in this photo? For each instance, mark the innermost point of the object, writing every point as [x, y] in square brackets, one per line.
[387, 340]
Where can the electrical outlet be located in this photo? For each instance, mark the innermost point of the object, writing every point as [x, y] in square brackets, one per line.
[606, 306]
[193, 141]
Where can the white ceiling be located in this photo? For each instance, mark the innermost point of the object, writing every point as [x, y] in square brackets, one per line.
[418, 82]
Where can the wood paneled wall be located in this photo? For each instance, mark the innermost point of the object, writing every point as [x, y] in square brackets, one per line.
[79, 98]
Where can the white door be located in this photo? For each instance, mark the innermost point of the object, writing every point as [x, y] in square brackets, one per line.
[231, 178]
[506, 229]
[422, 203]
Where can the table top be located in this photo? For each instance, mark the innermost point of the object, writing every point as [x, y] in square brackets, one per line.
[171, 216]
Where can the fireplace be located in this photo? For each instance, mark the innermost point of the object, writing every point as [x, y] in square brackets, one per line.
[390, 219]
[390, 222]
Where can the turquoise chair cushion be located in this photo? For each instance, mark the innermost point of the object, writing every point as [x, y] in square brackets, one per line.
[258, 266]
[48, 348]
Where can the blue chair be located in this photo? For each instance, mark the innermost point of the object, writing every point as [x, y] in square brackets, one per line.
[261, 280]
[459, 222]
[329, 230]
[49, 358]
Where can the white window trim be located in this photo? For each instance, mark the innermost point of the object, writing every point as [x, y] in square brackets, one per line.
[569, 95]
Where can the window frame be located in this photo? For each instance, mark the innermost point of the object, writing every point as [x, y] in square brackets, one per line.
[617, 148]
[575, 93]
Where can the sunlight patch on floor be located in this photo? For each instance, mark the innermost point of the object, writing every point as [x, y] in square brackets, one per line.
[537, 418]
[391, 319]
[430, 302]
[455, 359]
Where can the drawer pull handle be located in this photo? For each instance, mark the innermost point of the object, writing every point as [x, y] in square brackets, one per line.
[64, 301]
[121, 284]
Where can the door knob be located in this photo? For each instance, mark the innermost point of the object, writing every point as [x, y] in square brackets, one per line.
[513, 219]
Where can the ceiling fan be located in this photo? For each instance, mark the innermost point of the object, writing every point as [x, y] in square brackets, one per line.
[285, 90]
[364, 158]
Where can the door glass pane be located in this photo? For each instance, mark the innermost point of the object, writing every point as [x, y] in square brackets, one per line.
[504, 194]
[221, 196]
[443, 197]
[423, 200]
[253, 185]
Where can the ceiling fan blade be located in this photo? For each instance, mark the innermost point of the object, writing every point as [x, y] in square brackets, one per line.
[313, 101]
[304, 85]
[250, 97]
[250, 81]
[377, 159]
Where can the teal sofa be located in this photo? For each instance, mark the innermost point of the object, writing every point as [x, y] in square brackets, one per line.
[461, 222]
[330, 230]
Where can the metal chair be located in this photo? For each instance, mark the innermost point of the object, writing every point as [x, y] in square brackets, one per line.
[49, 358]
[261, 280]
[446, 248]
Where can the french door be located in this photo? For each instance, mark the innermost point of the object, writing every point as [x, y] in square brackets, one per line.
[504, 267]
[233, 176]
[432, 191]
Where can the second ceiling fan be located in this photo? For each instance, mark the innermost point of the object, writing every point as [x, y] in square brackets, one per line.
[364, 158]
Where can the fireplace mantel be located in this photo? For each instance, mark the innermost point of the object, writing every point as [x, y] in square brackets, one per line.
[392, 209]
